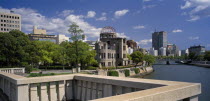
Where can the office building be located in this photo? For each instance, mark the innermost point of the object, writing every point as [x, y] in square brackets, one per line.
[41, 35]
[153, 52]
[162, 51]
[39, 31]
[172, 50]
[61, 38]
[185, 52]
[198, 50]
[9, 21]
[159, 39]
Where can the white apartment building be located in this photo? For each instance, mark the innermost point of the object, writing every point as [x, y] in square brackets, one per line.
[9, 21]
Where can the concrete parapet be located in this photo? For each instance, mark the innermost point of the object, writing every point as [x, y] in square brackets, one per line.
[97, 88]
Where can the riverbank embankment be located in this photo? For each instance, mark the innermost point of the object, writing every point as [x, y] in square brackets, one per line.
[205, 64]
[132, 71]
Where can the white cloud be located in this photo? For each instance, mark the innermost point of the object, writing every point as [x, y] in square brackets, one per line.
[121, 13]
[31, 17]
[89, 30]
[139, 27]
[177, 31]
[148, 6]
[194, 38]
[145, 42]
[198, 8]
[103, 17]
[122, 35]
[91, 14]
[65, 13]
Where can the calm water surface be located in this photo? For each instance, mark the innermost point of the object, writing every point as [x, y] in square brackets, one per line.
[185, 73]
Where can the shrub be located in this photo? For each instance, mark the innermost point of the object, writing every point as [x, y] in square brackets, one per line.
[39, 74]
[91, 68]
[113, 73]
[137, 71]
[127, 73]
[28, 69]
[54, 67]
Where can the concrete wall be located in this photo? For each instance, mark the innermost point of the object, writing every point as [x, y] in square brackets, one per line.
[13, 70]
[94, 87]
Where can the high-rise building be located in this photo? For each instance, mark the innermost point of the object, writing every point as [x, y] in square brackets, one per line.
[159, 39]
[9, 21]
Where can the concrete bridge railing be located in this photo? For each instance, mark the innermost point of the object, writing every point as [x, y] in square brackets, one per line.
[96, 88]
[13, 70]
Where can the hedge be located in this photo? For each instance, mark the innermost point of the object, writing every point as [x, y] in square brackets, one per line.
[91, 68]
[113, 73]
[137, 71]
[127, 73]
[54, 67]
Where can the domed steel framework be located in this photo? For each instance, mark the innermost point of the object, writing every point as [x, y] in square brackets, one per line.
[108, 29]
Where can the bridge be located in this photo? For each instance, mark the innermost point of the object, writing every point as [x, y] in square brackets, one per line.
[168, 61]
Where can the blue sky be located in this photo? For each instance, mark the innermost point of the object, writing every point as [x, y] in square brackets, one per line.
[186, 21]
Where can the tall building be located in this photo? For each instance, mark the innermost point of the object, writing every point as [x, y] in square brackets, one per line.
[111, 50]
[172, 50]
[159, 39]
[198, 50]
[9, 21]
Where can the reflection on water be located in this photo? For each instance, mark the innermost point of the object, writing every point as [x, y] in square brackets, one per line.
[184, 73]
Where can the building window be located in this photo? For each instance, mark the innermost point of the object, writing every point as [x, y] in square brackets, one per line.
[1, 15]
[124, 55]
[109, 63]
[2, 29]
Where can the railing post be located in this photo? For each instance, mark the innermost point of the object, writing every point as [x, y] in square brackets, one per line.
[22, 92]
[69, 90]
[44, 95]
[33, 92]
[53, 94]
[61, 85]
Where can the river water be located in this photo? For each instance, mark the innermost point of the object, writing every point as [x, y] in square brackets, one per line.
[184, 73]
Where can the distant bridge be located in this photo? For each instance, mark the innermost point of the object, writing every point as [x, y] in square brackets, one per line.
[168, 61]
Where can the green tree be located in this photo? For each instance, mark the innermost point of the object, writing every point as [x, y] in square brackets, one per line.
[149, 59]
[207, 55]
[13, 48]
[76, 35]
[137, 57]
[192, 56]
